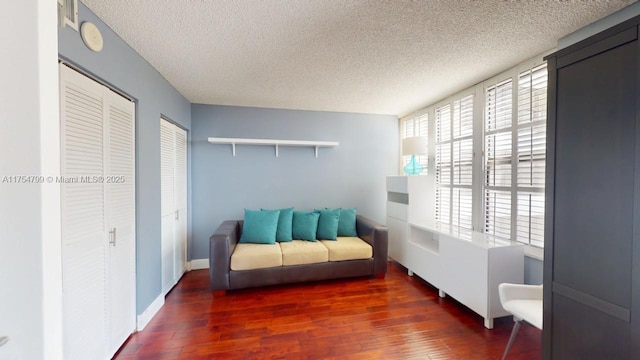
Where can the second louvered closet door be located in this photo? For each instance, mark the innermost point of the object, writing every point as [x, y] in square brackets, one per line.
[173, 170]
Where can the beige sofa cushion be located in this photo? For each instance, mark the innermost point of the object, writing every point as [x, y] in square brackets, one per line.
[348, 248]
[298, 252]
[256, 256]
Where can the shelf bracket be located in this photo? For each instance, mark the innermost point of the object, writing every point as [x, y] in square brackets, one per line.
[316, 152]
[276, 150]
[233, 149]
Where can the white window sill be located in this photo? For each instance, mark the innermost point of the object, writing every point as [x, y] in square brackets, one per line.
[534, 252]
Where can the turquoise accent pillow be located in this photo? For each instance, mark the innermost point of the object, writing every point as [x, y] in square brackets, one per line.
[347, 224]
[285, 225]
[305, 225]
[260, 226]
[328, 224]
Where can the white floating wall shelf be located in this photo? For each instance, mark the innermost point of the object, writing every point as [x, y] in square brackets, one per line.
[276, 143]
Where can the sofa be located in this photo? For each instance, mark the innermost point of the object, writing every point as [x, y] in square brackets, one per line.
[300, 261]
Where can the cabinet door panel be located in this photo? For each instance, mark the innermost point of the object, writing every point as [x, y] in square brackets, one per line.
[595, 145]
[397, 239]
[582, 333]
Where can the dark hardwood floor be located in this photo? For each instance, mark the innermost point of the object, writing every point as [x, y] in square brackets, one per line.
[398, 317]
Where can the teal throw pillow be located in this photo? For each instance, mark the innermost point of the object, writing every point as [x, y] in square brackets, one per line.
[328, 224]
[260, 226]
[285, 225]
[305, 225]
[347, 224]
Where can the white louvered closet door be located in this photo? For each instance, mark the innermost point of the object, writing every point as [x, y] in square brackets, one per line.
[173, 169]
[84, 234]
[120, 188]
[180, 245]
[98, 214]
[167, 202]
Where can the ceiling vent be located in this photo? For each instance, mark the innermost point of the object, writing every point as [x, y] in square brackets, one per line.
[68, 13]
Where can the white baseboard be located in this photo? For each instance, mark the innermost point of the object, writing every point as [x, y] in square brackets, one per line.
[150, 312]
[198, 264]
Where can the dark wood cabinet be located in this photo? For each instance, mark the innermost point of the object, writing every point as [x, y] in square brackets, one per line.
[592, 234]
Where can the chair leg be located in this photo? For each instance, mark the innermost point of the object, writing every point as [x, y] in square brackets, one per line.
[514, 332]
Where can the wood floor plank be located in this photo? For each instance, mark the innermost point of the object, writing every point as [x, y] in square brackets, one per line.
[397, 317]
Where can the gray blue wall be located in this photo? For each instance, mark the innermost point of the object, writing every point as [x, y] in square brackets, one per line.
[123, 69]
[532, 271]
[350, 175]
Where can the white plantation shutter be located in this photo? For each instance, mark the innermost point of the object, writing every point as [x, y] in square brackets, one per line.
[462, 208]
[498, 151]
[498, 106]
[531, 150]
[443, 164]
[530, 221]
[515, 154]
[443, 204]
[531, 156]
[454, 161]
[462, 162]
[498, 213]
[463, 117]
[498, 159]
[532, 95]
[418, 126]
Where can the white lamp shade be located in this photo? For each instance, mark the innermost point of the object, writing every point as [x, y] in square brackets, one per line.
[416, 145]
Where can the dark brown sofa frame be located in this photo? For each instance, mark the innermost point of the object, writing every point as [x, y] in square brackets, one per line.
[224, 239]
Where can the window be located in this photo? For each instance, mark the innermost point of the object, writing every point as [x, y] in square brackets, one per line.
[454, 160]
[490, 153]
[515, 157]
[418, 126]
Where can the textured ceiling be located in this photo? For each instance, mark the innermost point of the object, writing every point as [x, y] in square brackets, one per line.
[367, 56]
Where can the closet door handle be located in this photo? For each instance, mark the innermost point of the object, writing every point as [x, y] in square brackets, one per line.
[112, 236]
[177, 215]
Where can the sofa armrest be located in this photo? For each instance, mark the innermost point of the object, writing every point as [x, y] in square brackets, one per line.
[377, 236]
[221, 246]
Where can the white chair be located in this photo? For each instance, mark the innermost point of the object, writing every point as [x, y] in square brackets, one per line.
[525, 303]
